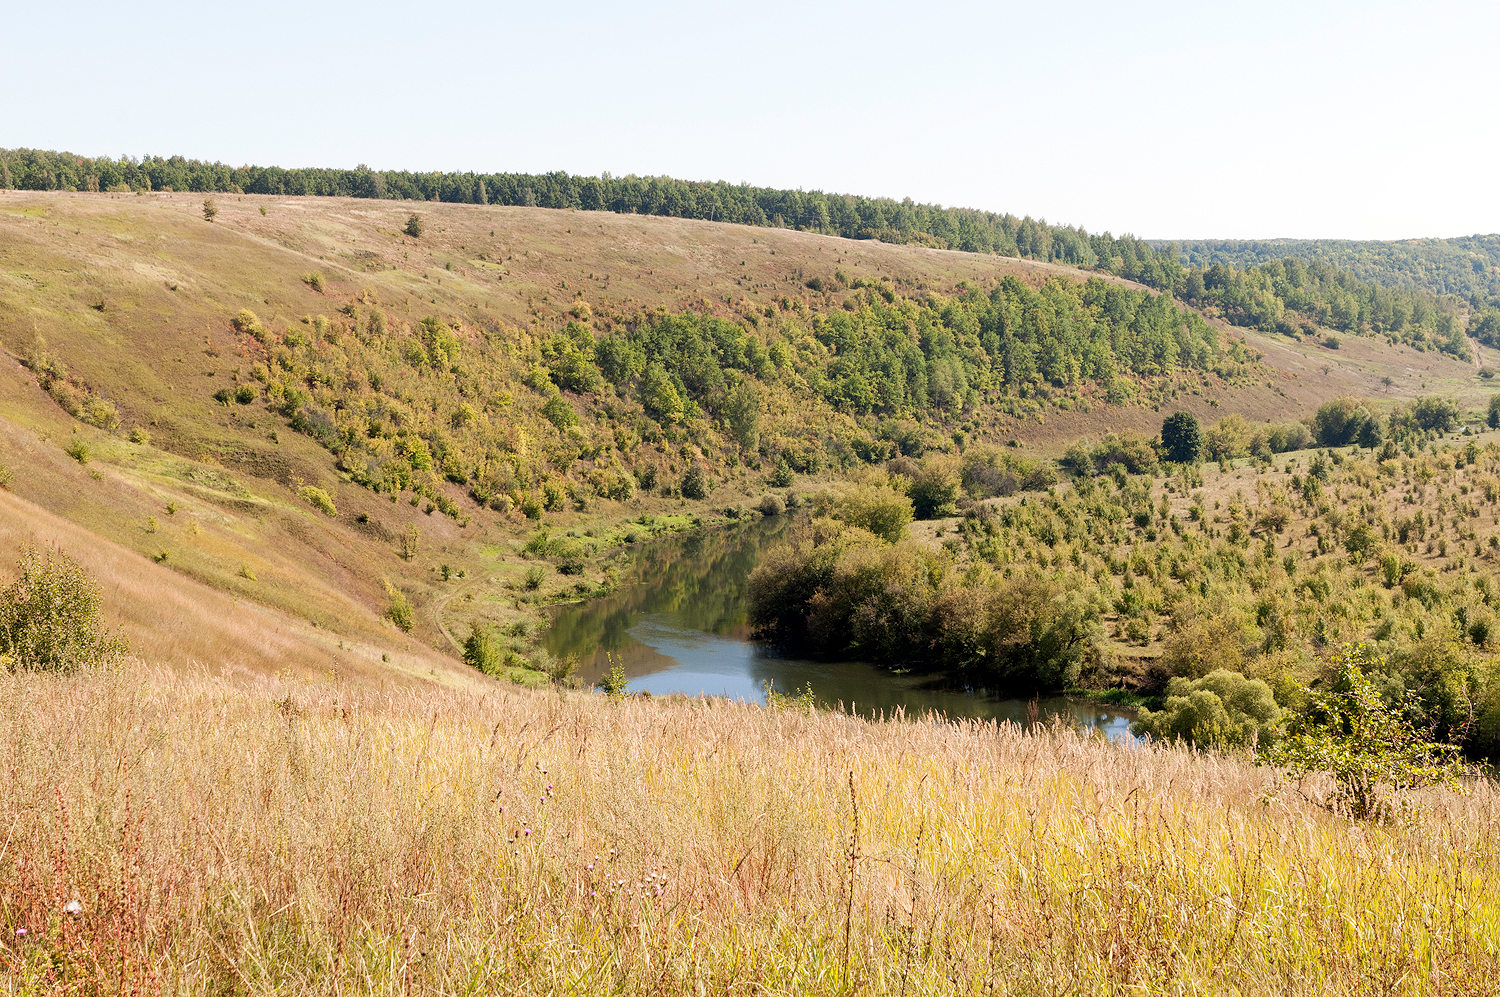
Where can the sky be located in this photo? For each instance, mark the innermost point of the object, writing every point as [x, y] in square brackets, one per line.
[1364, 120]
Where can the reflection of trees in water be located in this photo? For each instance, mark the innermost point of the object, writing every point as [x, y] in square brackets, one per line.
[700, 580]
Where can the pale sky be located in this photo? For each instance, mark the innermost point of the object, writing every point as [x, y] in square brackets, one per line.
[1337, 119]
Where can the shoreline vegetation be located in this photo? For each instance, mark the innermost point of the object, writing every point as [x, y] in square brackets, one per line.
[1139, 582]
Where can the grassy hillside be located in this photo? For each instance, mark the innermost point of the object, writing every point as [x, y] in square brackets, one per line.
[318, 837]
[127, 309]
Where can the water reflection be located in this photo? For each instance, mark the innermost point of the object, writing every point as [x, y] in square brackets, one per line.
[677, 624]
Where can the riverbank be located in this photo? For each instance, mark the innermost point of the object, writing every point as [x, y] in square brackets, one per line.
[324, 837]
[676, 622]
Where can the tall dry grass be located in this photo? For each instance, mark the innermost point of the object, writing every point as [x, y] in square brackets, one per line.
[292, 837]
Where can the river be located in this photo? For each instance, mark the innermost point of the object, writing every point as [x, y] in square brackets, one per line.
[677, 624]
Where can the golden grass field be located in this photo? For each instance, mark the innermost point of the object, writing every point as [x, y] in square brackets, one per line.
[326, 837]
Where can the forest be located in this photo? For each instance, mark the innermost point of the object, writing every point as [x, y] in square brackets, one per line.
[1467, 267]
[597, 409]
[1254, 288]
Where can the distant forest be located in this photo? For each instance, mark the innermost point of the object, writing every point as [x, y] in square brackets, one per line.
[1468, 267]
[1274, 294]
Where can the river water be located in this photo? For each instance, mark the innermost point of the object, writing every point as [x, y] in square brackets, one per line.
[677, 624]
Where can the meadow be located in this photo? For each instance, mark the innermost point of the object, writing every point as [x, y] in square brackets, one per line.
[320, 837]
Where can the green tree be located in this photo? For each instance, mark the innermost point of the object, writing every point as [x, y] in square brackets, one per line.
[878, 508]
[694, 483]
[660, 396]
[933, 487]
[1493, 418]
[414, 226]
[1371, 750]
[210, 209]
[742, 415]
[1181, 437]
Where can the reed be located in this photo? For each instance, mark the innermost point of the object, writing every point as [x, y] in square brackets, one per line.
[319, 837]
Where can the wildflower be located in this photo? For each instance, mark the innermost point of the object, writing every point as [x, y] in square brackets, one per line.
[73, 908]
[20, 932]
[526, 831]
[591, 867]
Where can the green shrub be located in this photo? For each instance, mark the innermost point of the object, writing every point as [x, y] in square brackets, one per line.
[482, 650]
[1339, 422]
[413, 226]
[877, 507]
[771, 505]
[78, 449]
[1222, 710]
[1371, 750]
[933, 487]
[399, 612]
[314, 280]
[49, 617]
[782, 474]
[247, 322]
[614, 681]
[318, 499]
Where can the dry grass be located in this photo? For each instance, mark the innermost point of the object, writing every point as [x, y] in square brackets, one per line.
[326, 838]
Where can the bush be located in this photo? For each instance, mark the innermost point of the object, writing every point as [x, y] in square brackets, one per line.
[876, 507]
[1201, 645]
[1492, 419]
[933, 487]
[78, 449]
[1222, 710]
[313, 280]
[1435, 415]
[210, 209]
[49, 617]
[318, 499]
[482, 651]
[782, 474]
[399, 612]
[414, 226]
[771, 505]
[1370, 749]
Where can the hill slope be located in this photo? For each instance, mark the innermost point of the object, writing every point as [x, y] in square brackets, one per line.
[122, 307]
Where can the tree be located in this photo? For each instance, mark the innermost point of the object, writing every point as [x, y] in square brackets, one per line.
[414, 226]
[742, 414]
[1493, 419]
[694, 483]
[210, 209]
[1181, 437]
[1370, 749]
